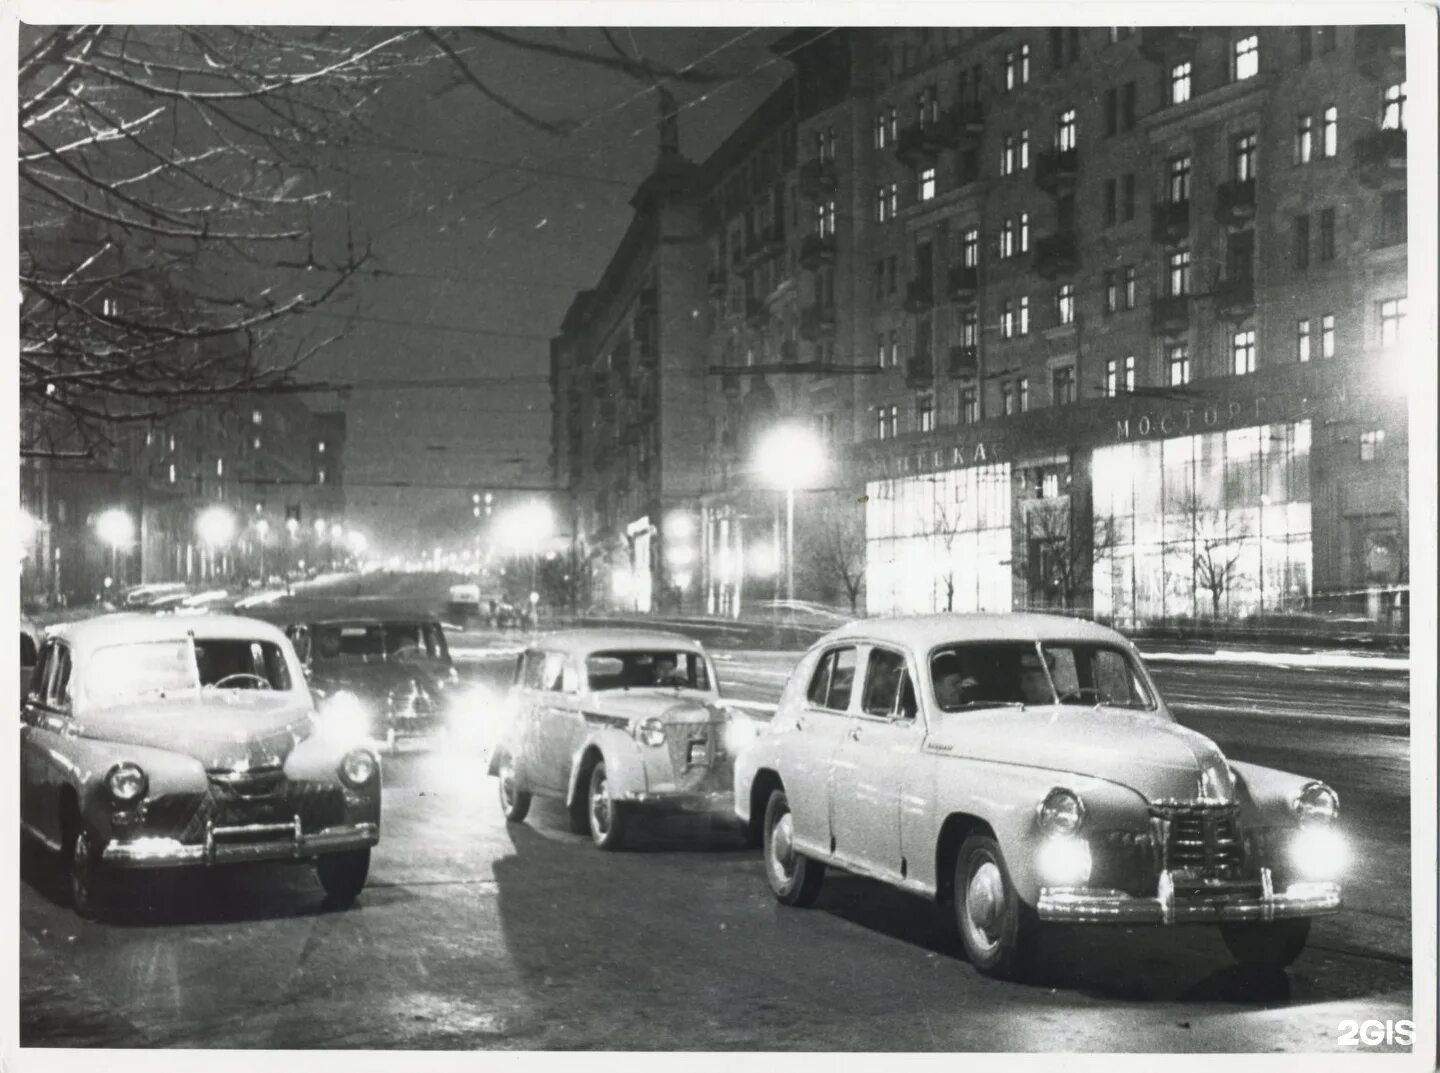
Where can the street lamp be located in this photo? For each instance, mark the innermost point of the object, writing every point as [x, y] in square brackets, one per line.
[522, 529]
[115, 528]
[787, 458]
[215, 527]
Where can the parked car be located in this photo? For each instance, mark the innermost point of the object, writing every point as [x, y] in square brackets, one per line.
[611, 721]
[158, 741]
[384, 667]
[30, 637]
[1024, 769]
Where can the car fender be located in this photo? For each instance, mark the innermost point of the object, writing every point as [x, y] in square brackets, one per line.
[1266, 794]
[762, 752]
[624, 766]
[90, 760]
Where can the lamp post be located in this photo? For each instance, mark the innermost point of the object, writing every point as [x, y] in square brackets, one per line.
[115, 528]
[523, 529]
[789, 457]
[215, 527]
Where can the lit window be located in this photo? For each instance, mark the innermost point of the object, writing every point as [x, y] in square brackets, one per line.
[1024, 149]
[882, 204]
[1392, 116]
[1065, 131]
[172, 472]
[1177, 364]
[1007, 238]
[1243, 156]
[925, 413]
[1129, 286]
[1065, 303]
[1179, 189]
[1304, 139]
[1302, 339]
[1112, 377]
[172, 443]
[1329, 140]
[970, 248]
[1180, 83]
[1007, 319]
[1370, 444]
[256, 443]
[1179, 279]
[1025, 315]
[927, 184]
[149, 437]
[1247, 58]
[1049, 485]
[1112, 291]
[893, 193]
[1024, 232]
[880, 349]
[1017, 67]
[320, 475]
[321, 447]
[1392, 320]
[880, 129]
[1022, 391]
[1327, 335]
[1242, 350]
[1130, 373]
[219, 467]
[256, 417]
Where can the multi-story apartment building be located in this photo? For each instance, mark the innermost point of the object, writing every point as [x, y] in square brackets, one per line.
[1099, 318]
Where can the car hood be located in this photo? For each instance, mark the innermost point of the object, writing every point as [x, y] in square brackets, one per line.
[1156, 758]
[225, 729]
[379, 679]
[669, 705]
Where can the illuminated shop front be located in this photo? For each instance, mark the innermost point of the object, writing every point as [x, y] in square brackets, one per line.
[939, 541]
[1216, 524]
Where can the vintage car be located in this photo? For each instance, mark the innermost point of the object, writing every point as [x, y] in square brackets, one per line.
[160, 741]
[383, 666]
[613, 720]
[1024, 769]
[30, 639]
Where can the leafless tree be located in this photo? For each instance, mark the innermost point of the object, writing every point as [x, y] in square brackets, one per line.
[947, 527]
[836, 556]
[184, 194]
[1066, 551]
[1217, 543]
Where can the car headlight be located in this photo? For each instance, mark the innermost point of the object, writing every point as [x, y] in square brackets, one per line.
[1062, 861]
[1318, 852]
[651, 732]
[343, 714]
[358, 768]
[126, 783]
[1317, 803]
[1061, 813]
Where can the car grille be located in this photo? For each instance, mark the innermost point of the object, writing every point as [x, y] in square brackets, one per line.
[184, 816]
[1199, 839]
[698, 756]
[411, 707]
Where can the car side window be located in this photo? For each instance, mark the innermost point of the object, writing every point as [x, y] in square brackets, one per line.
[36, 690]
[532, 671]
[834, 676]
[27, 650]
[552, 674]
[884, 672]
[57, 681]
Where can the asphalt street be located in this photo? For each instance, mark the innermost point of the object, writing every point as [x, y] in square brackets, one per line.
[475, 933]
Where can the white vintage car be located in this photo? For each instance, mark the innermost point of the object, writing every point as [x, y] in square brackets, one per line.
[613, 720]
[166, 742]
[1024, 769]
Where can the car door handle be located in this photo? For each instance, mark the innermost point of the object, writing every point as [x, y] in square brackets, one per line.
[854, 733]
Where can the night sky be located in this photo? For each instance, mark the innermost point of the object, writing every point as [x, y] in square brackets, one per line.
[483, 229]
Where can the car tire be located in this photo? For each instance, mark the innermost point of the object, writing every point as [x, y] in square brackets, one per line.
[91, 882]
[607, 818]
[998, 931]
[343, 876]
[794, 878]
[1273, 944]
[515, 804]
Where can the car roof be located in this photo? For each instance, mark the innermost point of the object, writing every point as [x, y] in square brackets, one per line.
[583, 641]
[316, 610]
[924, 632]
[138, 626]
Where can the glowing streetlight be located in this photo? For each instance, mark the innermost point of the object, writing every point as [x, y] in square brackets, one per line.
[216, 526]
[787, 458]
[116, 528]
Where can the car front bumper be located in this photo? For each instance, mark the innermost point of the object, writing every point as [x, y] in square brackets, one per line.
[1249, 902]
[235, 845]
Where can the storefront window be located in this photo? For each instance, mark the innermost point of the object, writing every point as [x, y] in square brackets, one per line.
[1209, 526]
[939, 542]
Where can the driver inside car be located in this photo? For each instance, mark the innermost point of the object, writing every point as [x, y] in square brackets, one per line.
[1034, 681]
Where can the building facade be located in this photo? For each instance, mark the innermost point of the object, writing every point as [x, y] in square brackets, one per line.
[1107, 319]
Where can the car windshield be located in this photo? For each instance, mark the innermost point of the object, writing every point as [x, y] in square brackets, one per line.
[143, 670]
[647, 668]
[997, 674]
[377, 642]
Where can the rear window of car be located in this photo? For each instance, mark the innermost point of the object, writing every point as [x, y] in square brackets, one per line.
[373, 642]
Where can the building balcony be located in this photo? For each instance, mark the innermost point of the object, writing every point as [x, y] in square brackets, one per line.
[1380, 158]
[1057, 255]
[817, 321]
[730, 385]
[1170, 222]
[919, 296]
[1057, 170]
[1235, 202]
[1159, 43]
[1170, 315]
[818, 178]
[920, 371]
[967, 120]
[1235, 298]
[789, 350]
[1379, 50]
[962, 283]
[817, 250]
[962, 361]
[919, 144]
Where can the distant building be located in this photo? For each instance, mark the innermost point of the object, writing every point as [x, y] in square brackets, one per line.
[1101, 319]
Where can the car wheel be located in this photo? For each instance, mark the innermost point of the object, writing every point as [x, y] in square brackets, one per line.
[90, 879]
[1273, 944]
[343, 876]
[998, 930]
[608, 817]
[514, 803]
[794, 878]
